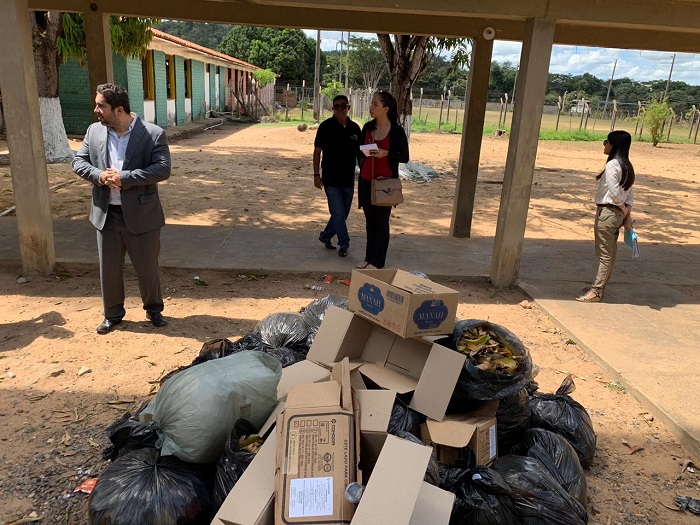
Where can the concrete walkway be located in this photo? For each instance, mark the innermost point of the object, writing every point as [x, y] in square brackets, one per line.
[646, 334]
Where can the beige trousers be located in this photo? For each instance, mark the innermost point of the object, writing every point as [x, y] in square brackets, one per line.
[608, 222]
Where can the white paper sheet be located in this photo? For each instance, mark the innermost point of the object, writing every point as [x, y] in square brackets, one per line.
[366, 148]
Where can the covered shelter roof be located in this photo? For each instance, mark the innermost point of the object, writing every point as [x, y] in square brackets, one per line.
[672, 25]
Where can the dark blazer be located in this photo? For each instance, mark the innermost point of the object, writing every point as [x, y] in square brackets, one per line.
[147, 162]
[398, 146]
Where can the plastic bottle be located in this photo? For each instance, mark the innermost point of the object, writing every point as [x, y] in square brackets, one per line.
[353, 492]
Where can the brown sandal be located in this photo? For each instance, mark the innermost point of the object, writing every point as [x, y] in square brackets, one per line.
[591, 296]
[362, 265]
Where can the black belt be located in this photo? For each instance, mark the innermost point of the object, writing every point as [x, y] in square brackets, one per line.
[611, 206]
[115, 207]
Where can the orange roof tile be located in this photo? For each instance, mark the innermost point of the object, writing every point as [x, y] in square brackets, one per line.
[202, 49]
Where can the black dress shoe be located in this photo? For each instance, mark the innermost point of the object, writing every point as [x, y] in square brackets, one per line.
[343, 252]
[327, 244]
[107, 326]
[157, 319]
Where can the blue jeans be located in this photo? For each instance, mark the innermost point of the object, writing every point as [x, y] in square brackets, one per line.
[339, 204]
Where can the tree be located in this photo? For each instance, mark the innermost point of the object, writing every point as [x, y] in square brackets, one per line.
[58, 37]
[367, 67]
[407, 58]
[207, 35]
[655, 115]
[287, 52]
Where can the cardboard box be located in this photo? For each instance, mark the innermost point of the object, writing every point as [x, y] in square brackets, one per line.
[375, 415]
[406, 304]
[396, 493]
[298, 374]
[251, 501]
[476, 430]
[317, 453]
[427, 369]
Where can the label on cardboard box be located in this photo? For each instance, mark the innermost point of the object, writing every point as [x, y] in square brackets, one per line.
[311, 497]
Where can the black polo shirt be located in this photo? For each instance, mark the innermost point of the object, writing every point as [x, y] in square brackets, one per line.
[339, 145]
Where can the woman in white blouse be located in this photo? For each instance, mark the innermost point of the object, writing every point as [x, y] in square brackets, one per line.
[614, 200]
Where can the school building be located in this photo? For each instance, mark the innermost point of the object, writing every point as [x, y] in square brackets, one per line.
[178, 81]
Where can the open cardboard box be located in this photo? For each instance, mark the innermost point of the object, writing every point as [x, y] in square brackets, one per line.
[318, 452]
[475, 430]
[427, 369]
[402, 302]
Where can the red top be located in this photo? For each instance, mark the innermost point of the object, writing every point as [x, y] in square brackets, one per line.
[381, 165]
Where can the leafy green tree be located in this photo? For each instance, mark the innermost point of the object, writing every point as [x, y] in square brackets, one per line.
[264, 77]
[655, 115]
[367, 67]
[407, 58]
[60, 36]
[207, 35]
[502, 79]
[332, 89]
[287, 52]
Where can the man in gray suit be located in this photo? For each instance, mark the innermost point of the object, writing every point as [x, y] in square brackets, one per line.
[125, 158]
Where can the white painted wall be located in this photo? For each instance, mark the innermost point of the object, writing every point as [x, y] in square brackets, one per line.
[206, 90]
[216, 90]
[149, 111]
[172, 121]
[188, 110]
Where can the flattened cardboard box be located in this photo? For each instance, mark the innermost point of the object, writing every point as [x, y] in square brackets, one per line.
[406, 304]
[317, 452]
[427, 369]
[476, 430]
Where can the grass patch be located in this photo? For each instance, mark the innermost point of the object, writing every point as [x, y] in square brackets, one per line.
[573, 136]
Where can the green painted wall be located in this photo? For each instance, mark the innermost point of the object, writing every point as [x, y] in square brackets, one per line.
[77, 102]
[212, 88]
[223, 72]
[161, 89]
[198, 109]
[180, 116]
[134, 84]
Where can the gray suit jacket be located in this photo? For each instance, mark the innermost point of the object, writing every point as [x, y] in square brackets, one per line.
[147, 162]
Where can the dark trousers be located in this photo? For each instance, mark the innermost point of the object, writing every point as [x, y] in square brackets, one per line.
[339, 204]
[113, 242]
[376, 225]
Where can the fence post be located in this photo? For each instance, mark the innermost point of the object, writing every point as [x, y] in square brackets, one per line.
[442, 103]
[692, 121]
[500, 114]
[559, 106]
[614, 115]
[583, 113]
[641, 124]
[420, 103]
[449, 100]
[587, 110]
[697, 127]
[639, 114]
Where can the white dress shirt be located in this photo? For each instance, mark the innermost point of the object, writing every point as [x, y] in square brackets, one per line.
[116, 148]
[609, 189]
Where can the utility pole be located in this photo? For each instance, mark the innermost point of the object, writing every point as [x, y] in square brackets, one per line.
[607, 97]
[317, 79]
[347, 63]
[668, 82]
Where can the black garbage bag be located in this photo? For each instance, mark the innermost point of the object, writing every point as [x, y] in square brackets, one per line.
[432, 473]
[313, 312]
[214, 349]
[512, 420]
[558, 456]
[484, 385]
[540, 499]
[233, 461]
[405, 418]
[564, 416]
[127, 434]
[282, 329]
[286, 356]
[141, 487]
[482, 497]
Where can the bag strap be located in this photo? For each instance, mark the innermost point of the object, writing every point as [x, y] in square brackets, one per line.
[372, 135]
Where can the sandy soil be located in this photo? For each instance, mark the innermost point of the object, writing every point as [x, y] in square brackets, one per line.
[53, 421]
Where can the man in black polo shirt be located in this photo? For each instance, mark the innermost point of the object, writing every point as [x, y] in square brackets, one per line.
[338, 139]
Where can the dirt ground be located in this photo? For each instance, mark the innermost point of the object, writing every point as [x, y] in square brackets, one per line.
[53, 418]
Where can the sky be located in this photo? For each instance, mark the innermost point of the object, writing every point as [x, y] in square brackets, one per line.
[576, 60]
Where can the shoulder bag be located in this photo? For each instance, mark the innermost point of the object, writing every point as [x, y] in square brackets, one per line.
[386, 191]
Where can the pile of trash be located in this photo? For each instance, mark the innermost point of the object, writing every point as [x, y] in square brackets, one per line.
[177, 459]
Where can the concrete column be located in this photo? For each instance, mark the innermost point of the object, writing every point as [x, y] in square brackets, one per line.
[472, 134]
[98, 40]
[25, 141]
[522, 150]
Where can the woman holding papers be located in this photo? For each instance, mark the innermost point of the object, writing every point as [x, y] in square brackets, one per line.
[614, 203]
[389, 146]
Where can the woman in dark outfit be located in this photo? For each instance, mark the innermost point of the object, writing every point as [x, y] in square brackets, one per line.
[392, 148]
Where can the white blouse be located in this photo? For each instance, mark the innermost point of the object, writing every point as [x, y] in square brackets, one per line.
[609, 189]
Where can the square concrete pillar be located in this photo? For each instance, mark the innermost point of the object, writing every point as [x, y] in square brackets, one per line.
[522, 150]
[30, 184]
[98, 41]
[472, 135]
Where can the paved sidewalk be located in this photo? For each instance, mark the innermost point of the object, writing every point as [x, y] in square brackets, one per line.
[646, 334]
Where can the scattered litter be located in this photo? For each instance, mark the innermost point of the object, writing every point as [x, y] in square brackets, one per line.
[86, 486]
[22, 280]
[689, 504]
[417, 171]
[11, 375]
[84, 370]
[687, 465]
[31, 518]
[527, 305]
[199, 282]
[314, 287]
[326, 279]
[346, 282]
